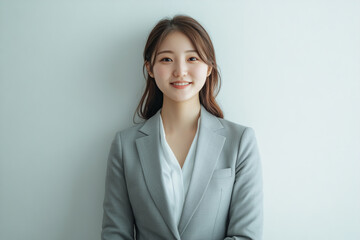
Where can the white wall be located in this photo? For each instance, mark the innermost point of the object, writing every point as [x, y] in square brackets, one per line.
[70, 76]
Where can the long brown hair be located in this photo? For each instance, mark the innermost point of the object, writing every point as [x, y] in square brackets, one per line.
[152, 99]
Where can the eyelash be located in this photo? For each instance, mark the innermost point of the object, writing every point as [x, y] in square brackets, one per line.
[169, 58]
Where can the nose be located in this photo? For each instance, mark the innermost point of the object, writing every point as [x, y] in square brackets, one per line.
[180, 69]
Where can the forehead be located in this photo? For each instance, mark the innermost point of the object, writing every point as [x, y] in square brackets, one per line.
[176, 41]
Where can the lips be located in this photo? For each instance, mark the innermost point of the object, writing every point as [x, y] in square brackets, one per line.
[180, 82]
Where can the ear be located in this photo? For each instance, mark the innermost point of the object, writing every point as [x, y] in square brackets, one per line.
[209, 71]
[147, 64]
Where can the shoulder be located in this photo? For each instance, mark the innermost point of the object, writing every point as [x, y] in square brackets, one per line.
[129, 132]
[243, 138]
[231, 127]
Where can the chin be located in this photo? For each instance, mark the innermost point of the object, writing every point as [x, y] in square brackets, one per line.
[183, 99]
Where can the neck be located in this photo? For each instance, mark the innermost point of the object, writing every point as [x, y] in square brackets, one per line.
[180, 116]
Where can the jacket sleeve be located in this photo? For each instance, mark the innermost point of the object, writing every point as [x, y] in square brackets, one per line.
[246, 207]
[118, 218]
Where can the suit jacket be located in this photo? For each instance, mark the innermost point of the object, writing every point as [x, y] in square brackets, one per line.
[225, 196]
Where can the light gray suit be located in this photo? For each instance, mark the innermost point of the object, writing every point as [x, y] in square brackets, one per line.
[225, 196]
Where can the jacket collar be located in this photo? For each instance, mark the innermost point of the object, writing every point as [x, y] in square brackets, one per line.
[208, 120]
[209, 147]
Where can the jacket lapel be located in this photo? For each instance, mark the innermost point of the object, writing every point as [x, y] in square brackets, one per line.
[148, 148]
[207, 153]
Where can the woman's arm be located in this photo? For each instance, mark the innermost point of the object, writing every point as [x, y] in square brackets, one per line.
[246, 207]
[118, 218]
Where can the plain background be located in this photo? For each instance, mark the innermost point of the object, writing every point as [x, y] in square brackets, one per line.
[71, 76]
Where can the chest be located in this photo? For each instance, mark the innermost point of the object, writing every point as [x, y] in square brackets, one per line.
[180, 144]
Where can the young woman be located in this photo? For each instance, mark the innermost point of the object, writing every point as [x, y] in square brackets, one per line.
[185, 172]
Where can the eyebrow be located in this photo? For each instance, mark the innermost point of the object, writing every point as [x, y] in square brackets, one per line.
[169, 51]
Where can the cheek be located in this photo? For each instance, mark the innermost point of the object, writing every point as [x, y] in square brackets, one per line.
[200, 72]
[160, 71]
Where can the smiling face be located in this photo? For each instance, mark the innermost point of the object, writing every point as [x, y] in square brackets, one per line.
[178, 61]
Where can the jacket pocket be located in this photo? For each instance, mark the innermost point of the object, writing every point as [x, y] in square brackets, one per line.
[222, 173]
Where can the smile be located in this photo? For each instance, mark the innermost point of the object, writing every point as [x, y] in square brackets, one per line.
[180, 85]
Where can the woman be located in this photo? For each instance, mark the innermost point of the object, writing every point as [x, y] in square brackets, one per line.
[185, 172]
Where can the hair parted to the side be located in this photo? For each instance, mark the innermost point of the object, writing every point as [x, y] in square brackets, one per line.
[152, 98]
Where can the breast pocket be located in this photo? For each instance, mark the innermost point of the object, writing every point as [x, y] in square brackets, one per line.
[222, 173]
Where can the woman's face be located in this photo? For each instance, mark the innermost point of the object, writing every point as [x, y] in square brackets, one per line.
[178, 61]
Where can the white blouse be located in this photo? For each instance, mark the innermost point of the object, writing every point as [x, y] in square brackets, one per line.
[176, 179]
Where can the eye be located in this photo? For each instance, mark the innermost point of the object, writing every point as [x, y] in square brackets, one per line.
[165, 60]
[195, 58]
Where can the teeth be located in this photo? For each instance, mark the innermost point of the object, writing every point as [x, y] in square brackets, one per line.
[181, 84]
